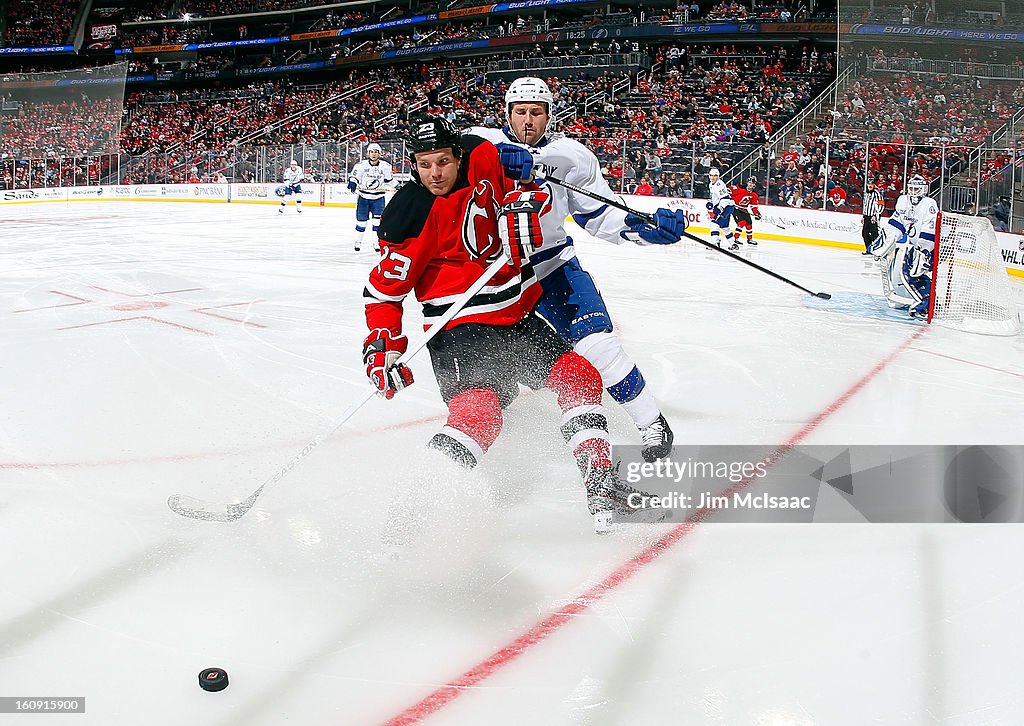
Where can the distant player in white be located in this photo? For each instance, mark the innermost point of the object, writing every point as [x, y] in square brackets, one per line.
[720, 208]
[293, 178]
[571, 302]
[905, 246]
[370, 179]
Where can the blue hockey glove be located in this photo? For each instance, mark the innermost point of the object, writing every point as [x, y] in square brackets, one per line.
[516, 161]
[352, 187]
[710, 206]
[667, 229]
[721, 216]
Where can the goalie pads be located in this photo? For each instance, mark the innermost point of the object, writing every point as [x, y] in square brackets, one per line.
[899, 293]
[888, 237]
[520, 229]
[906, 277]
[920, 262]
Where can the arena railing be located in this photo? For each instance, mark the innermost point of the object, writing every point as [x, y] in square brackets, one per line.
[824, 104]
[927, 66]
[962, 178]
[599, 60]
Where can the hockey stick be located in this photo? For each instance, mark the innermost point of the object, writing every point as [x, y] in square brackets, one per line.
[650, 220]
[774, 224]
[195, 508]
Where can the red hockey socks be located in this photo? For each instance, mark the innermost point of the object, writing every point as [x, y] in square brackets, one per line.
[584, 426]
[474, 422]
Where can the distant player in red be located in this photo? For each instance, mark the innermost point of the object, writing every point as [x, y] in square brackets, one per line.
[437, 235]
[745, 200]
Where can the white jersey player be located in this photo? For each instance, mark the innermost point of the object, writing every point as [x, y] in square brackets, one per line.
[369, 180]
[720, 209]
[906, 244]
[293, 178]
[571, 302]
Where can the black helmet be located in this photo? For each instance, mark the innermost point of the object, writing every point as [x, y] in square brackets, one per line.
[429, 133]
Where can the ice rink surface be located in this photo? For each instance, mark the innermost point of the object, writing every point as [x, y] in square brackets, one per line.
[157, 349]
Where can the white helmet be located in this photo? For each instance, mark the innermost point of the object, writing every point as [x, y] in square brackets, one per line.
[528, 90]
[917, 188]
[713, 172]
[374, 147]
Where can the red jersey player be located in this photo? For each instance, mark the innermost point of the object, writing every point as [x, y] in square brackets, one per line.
[437, 235]
[745, 199]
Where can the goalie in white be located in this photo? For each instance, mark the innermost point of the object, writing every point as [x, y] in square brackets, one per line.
[905, 245]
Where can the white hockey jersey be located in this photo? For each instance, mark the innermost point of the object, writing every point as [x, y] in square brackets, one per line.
[372, 180]
[574, 163]
[916, 221]
[720, 195]
[294, 178]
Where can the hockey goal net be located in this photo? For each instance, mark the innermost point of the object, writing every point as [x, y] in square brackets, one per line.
[970, 286]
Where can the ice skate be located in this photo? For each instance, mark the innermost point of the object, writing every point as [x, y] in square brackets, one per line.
[657, 439]
[611, 501]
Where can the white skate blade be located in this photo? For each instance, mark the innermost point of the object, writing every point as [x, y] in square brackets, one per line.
[644, 516]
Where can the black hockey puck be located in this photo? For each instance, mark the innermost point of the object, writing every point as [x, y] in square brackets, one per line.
[213, 679]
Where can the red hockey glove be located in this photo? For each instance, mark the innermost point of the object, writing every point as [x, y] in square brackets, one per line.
[381, 350]
[519, 228]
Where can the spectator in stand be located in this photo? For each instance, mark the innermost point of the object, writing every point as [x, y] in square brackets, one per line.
[1000, 214]
[686, 184]
[644, 188]
[628, 175]
[33, 23]
[654, 166]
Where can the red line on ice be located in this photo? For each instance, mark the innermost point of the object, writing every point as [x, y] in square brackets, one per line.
[969, 362]
[137, 317]
[447, 693]
[81, 301]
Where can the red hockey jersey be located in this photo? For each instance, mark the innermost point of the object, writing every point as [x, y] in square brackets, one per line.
[437, 247]
[745, 199]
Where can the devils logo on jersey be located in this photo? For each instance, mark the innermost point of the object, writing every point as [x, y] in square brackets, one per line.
[480, 226]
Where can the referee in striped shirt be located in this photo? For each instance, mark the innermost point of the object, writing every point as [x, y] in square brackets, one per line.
[874, 204]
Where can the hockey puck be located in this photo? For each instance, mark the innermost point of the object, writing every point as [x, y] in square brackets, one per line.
[213, 679]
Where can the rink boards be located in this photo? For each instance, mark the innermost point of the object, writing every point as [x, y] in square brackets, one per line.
[781, 224]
